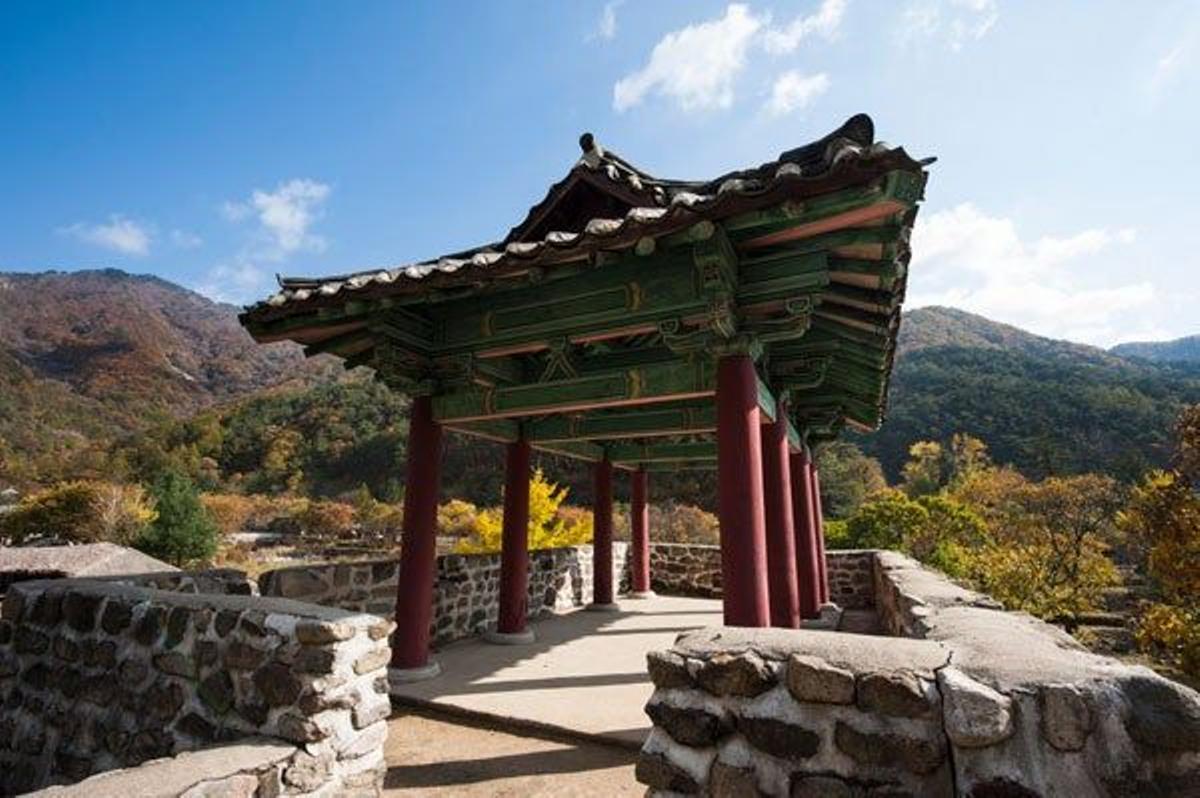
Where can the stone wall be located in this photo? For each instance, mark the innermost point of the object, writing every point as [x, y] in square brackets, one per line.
[969, 700]
[851, 575]
[687, 569]
[98, 675]
[466, 591]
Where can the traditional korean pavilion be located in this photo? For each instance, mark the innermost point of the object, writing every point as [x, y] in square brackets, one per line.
[643, 324]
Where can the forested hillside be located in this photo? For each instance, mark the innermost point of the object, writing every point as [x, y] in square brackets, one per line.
[1181, 350]
[1044, 406]
[88, 356]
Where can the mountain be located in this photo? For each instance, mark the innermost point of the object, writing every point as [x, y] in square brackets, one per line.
[1043, 405]
[1181, 350]
[86, 356]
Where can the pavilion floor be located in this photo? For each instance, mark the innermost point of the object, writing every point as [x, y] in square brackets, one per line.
[585, 674]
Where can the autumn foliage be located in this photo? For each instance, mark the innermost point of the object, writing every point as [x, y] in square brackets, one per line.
[551, 525]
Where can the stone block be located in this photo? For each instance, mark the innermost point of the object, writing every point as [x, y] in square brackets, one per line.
[28, 640]
[149, 626]
[216, 692]
[47, 609]
[890, 749]
[116, 617]
[174, 663]
[225, 621]
[805, 786]
[741, 674]
[728, 781]
[164, 699]
[242, 656]
[178, 621]
[301, 583]
[668, 670]
[277, 684]
[372, 660]
[975, 715]
[779, 738]
[79, 610]
[899, 693]
[1066, 718]
[813, 680]
[323, 632]
[307, 772]
[689, 725]
[1162, 714]
[13, 606]
[299, 729]
[657, 772]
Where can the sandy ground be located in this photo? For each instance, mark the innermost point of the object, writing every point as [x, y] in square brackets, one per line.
[432, 756]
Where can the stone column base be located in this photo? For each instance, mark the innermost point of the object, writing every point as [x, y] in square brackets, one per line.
[522, 637]
[613, 607]
[399, 676]
[641, 594]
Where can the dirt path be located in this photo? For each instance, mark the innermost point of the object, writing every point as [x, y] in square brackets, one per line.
[429, 755]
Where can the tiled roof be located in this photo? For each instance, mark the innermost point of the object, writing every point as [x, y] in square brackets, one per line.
[652, 207]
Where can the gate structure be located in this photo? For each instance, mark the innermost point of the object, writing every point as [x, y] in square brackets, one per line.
[644, 324]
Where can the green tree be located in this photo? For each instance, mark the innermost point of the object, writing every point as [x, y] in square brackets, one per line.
[183, 533]
[848, 477]
[888, 521]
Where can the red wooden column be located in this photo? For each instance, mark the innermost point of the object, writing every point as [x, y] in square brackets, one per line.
[807, 570]
[602, 558]
[740, 494]
[639, 511]
[514, 549]
[418, 551]
[819, 523]
[781, 531]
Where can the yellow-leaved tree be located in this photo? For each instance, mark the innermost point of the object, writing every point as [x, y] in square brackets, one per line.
[1162, 525]
[549, 527]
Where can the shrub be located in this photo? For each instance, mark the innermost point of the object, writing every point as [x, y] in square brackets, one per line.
[326, 519]
[122, 512]
[229, 511]
[683, 523]
[79, 512]
[456, 518]
[183, 533]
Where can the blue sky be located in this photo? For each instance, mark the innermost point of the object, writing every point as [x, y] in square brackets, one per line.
[216, 144]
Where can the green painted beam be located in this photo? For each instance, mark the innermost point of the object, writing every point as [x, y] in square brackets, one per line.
[685, 419]
[681, 379]
[633, 453]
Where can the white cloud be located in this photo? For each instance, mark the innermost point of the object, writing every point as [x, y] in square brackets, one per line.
[696, 65]
[607, 28]
[825, 22]
[1172, 64]
[119, 234]
[956, 22]
[184, 239]
[793, 90]
[284, 215]
[236, 282]
[968, 259]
